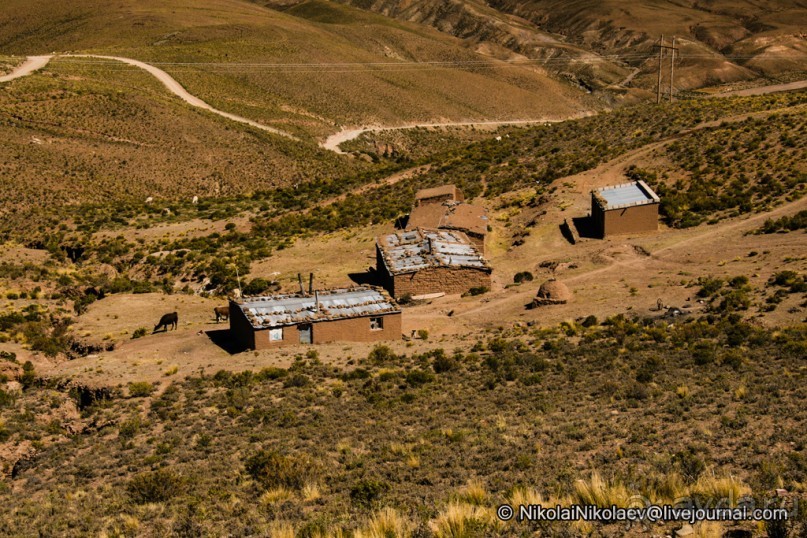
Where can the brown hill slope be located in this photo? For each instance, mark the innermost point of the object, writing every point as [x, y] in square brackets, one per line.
[305, 71]
[722, 40]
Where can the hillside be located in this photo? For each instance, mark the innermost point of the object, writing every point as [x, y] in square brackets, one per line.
[437, 436]
[308, 70]
[721, 41]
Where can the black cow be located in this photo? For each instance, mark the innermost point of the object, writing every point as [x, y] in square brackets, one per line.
[167, 319]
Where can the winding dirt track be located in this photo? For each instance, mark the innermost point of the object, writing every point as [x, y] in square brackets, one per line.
[34, 63]
[333, 142]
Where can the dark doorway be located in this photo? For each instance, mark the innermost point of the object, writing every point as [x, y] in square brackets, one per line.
[306, 333]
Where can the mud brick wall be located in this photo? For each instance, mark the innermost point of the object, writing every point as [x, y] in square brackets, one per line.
[341, 330]
[634, 219]
[358, 330]
[448, 280]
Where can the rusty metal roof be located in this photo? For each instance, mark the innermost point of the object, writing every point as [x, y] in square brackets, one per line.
[414, 250]
[625, 195]
[324, 305]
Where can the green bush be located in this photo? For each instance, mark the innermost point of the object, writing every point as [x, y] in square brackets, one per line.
[154, 486]
[140, 333]
[368, 492]
[272, 469]
[140, 389]
[381, 354]
[416, 378]
[28, 377]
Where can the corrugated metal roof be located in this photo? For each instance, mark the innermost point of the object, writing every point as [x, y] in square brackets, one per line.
[282, 310]
[413, 250]
[626, 195]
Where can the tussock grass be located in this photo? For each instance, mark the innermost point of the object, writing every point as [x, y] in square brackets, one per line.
[462, 520]
[386, 523]
[474, 492]
[724, 490]
[276, 495]
[601, 492]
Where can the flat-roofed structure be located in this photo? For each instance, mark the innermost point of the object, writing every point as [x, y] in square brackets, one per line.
[361, 314]
[425, 261]
[626, 208]
[472, 220]
[438, 195]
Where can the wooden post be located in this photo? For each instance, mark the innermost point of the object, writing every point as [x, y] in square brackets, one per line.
[672, 67]
[310, 283]
[660, 57]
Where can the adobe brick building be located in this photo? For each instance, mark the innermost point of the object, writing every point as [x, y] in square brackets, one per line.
[444, 208]
[626, 208]
[424, 261]
[472, 220]
[438, 195]
[361, 314]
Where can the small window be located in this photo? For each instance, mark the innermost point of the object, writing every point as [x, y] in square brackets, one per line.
[376, 324]
[276, 335]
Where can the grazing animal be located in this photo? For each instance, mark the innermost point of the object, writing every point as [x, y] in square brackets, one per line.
[167, 319]
[222, 312]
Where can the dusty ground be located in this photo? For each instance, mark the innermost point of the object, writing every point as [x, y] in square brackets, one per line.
[625, 274]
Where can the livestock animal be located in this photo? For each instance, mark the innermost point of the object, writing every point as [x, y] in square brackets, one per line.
[222, 312]
[167, 319]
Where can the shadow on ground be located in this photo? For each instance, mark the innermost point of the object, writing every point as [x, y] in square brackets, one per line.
[222, 338]
[370, 277]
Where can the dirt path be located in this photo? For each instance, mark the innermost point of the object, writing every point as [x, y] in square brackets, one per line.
[680, 241]
[333, 142]
[33, 63]
[763, 90]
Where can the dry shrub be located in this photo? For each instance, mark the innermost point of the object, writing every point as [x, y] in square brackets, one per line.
[386, 523]
[600, 492]
[720, 489]
[463, 520]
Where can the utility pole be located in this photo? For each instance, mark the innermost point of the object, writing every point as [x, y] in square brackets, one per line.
[672, 67]
[660, 57]
[661, 48]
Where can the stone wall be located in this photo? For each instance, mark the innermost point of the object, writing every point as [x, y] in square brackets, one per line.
[448, 280]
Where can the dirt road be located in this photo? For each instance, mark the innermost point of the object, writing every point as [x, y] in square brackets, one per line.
[333, 142]
[33, 63]
[790, 86]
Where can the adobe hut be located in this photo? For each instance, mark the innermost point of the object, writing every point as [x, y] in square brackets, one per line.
[438, 195]
[424, 261]
[552, 292]
[626, 208]
[472, 220]
[362, 314]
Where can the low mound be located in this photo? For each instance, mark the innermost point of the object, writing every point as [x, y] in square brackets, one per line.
[552, 292]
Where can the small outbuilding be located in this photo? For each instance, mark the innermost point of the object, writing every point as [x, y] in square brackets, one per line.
[438, 195]
[552, 292]
[626, 208]
[472, 220]
[361, 314]
[425, 261]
